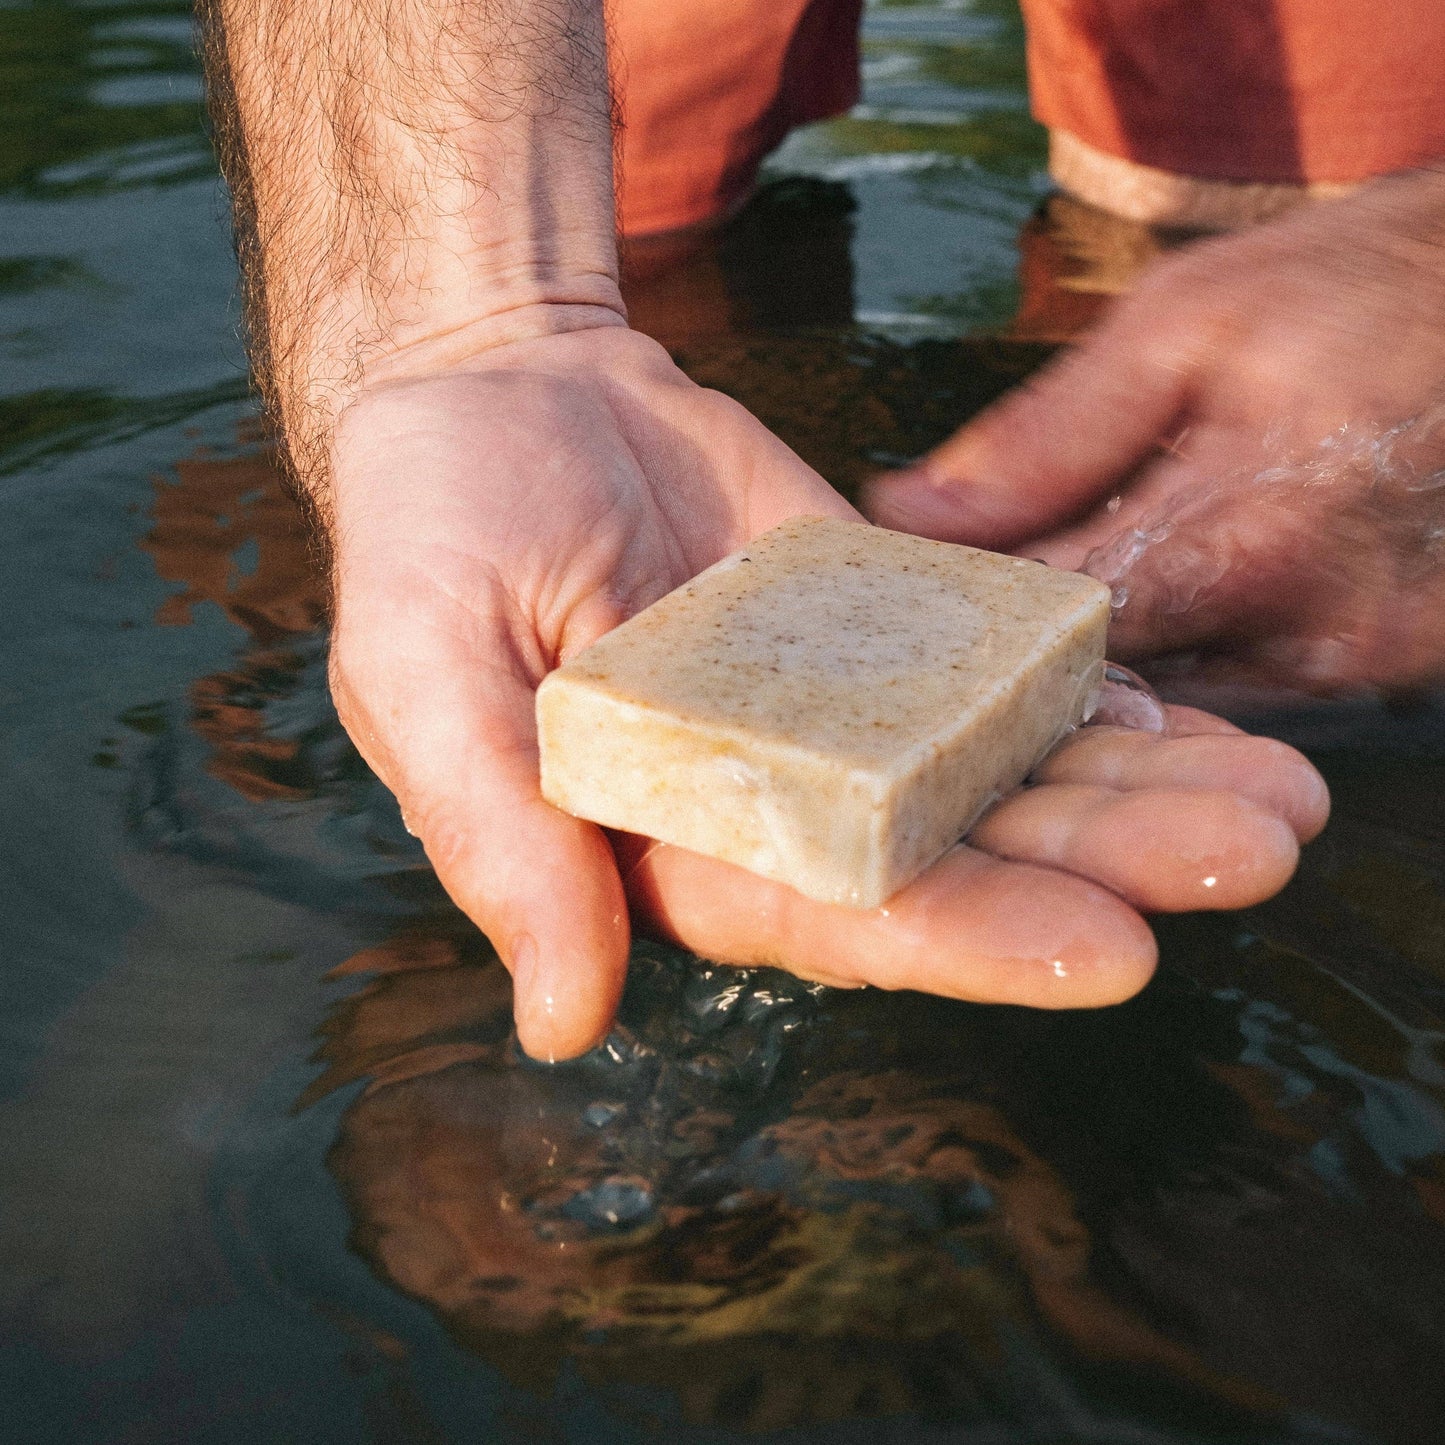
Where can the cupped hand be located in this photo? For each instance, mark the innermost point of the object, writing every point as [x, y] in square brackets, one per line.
[1041, 905]
[1249, 448]
[495, 517]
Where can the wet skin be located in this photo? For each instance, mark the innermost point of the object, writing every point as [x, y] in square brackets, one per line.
[1041, 905]
[1262, 414]
[506, 470]
[456, 594]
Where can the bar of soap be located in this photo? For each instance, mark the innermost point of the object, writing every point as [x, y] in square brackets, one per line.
[831, 707]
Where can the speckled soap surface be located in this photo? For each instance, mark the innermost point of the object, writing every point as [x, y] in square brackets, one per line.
[831, 707]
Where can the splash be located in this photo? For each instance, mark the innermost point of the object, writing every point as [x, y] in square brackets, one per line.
[1322, 556]
[786, 1204]
[1126, 700]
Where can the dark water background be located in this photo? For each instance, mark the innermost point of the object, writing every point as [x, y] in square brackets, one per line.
[271, 1168]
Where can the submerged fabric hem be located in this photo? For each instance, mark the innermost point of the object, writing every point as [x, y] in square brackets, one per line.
[1156, 197]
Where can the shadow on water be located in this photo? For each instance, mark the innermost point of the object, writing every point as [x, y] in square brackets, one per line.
[1215, 1214]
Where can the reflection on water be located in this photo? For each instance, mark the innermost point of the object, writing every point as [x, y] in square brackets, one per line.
[788, 1205]
[272, 1166]
[768, 1205]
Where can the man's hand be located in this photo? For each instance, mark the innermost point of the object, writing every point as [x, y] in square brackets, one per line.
[505, 470]
[1249, 448]
[490, 519]
[497, 517]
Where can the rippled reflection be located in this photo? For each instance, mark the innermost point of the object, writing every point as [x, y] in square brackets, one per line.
[98, 98]
[787, 1204]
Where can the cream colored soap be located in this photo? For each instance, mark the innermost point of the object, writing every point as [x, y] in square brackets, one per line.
[832, 707]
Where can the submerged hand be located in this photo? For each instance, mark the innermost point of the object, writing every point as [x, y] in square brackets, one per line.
[1246, 448]
[496, 517]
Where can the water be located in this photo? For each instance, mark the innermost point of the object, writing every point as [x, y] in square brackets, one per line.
[272, 1168]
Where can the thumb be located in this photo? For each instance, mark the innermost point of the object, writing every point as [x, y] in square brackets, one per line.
[458, 747]
[1056, 444]
[544, 888]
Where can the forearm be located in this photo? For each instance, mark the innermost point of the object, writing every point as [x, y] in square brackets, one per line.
[414, 181]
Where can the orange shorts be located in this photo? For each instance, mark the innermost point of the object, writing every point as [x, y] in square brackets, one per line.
[707, 88]
[1283, 94]
[1216, 113]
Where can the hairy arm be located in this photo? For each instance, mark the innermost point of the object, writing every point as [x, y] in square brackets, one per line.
[414, 181]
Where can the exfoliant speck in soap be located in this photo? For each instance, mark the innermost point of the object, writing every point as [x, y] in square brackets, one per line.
[831, 707]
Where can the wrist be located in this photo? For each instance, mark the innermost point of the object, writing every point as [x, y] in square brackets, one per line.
[460, 330]
[438, 330]
[429, 383]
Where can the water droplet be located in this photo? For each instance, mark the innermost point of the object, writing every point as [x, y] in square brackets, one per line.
[619, 1202]
[711, 996]
[1126, 700]
[602, 1113]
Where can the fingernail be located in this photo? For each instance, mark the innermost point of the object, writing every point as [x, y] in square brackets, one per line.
[534, 1004]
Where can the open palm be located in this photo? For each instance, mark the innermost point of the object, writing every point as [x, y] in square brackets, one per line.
[496, 517]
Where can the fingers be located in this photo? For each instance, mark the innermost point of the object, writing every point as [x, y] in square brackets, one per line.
[1165, 851]
[971, 927]
[1199, 549]
[1183, 722]
[1194, 819]
[544, 889]
[453, 737]
[1268, 773]
[1201, 818]
[1041, 909]
[1059, 442]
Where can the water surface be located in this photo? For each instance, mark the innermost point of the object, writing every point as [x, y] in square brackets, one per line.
[272, 1167]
